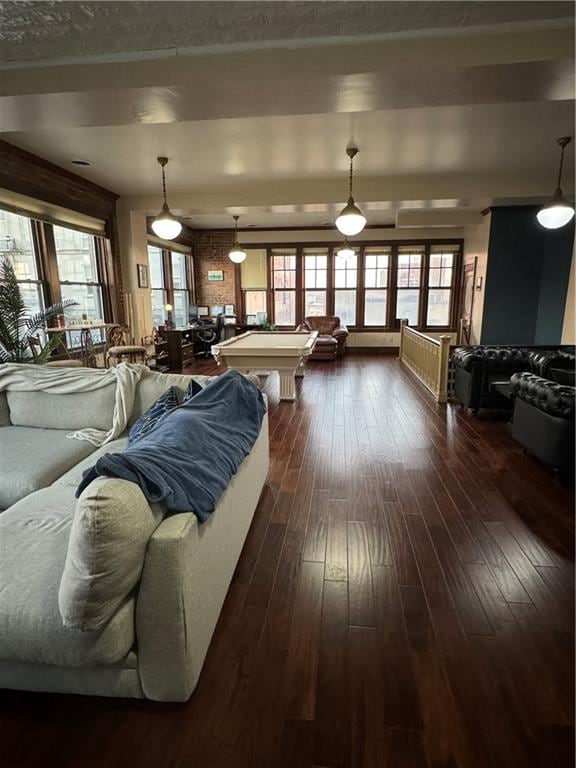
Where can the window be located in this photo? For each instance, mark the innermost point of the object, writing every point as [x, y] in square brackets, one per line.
[440, 278]
[254, 302]
[345, 281]
[376, 269]
[79, 279]
[157, 284]
[180, 287]
[408, 276]
[374, 289]
[284, 286]
[170, 277]
[315, 282]
[16, 242]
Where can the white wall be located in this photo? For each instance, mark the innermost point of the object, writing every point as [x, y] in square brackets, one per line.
[134, 250]
[476, 247]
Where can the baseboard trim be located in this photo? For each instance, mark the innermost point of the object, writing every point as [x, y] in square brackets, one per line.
[373, 350]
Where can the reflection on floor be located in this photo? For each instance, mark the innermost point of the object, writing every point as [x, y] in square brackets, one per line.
[403, 599]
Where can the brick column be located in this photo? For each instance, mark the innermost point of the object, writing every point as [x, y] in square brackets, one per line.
[211, 248]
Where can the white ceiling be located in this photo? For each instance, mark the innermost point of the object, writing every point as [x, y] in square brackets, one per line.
[456, 120]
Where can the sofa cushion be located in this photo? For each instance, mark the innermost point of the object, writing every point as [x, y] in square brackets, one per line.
[153, 384]
[32, 458]
[79, 410]
[74, 475]
[110, 531]
[33, 544]
[166, 402]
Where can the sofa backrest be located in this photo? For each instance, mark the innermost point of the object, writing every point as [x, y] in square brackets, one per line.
[324, 324]
[83, 410]
[153, 384]
[79, 410]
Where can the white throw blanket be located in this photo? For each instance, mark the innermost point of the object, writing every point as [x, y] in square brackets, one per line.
[62, 381]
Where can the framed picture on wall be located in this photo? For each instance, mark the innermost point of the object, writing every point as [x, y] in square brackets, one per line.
[215, 275]
[228, 310]
[203, 311]
[143, 276]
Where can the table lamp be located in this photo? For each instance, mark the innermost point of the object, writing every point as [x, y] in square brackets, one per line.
[169, 320]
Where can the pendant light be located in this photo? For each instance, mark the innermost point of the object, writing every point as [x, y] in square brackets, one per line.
[165, 225]
[346, 251]
[558, 211]
[351, 220]
[237, 255]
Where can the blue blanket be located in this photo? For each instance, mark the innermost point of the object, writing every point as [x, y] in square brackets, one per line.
[186, 462]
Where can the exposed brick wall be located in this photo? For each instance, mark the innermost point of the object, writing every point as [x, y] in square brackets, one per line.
[30, 175]
[210, 250]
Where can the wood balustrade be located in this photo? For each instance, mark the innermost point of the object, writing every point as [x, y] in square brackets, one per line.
[427, 358]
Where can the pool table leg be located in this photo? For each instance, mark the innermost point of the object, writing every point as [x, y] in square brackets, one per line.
[287, 385]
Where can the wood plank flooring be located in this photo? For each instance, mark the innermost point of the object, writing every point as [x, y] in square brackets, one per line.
[403, 600]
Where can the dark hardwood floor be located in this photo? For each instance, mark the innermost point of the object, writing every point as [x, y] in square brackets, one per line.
[404, 599]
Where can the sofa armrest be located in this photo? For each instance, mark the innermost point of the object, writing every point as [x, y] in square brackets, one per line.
[340, 332]
[467, 358]
[186, 575]
[161, 612]
[549, 397]
[302, 327]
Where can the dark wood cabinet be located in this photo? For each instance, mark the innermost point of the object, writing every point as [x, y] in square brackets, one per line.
[180, 348]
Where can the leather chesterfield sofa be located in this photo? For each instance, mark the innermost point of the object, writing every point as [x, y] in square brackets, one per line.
[332, 335]
[543, 420]
[478, 368]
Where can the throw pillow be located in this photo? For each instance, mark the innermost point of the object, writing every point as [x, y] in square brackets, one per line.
[146, 423]
[192, 389]
[563, 376]
[111, 528]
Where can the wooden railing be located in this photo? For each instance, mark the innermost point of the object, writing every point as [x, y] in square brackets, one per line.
[427, 358]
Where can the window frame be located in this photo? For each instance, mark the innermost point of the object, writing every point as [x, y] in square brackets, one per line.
[44, 248]
[454, 245]
[168, 277]
[298, 289]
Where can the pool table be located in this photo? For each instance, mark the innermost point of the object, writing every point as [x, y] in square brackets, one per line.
[282, 351]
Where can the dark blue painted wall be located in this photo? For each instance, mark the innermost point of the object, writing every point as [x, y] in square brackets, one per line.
[526, 279]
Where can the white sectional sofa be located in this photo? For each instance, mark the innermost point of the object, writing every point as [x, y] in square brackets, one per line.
[169, 576]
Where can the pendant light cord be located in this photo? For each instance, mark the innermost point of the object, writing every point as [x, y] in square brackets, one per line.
[351, 172]
[558, 183]
[236, 243]
[164, 184]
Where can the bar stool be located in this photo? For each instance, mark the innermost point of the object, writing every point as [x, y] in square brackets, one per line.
[118, 351]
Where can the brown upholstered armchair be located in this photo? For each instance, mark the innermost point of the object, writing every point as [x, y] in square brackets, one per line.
[332, 336]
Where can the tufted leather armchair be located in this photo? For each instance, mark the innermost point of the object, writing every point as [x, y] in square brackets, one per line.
[477, 368]
[331, 341]
[543, 421]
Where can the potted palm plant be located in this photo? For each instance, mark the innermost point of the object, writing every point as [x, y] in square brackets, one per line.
[17, 327]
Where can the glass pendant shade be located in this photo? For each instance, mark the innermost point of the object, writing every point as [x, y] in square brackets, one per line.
[351, 220]
[237, 255]
[556, 214]
[345, 251]
[166, 225]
